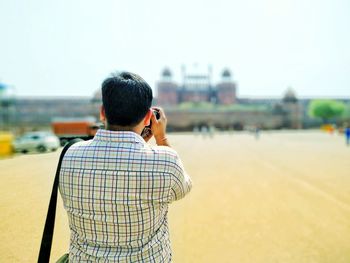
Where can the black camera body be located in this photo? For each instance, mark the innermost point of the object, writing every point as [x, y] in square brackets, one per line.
[156, 112]
[147, 130]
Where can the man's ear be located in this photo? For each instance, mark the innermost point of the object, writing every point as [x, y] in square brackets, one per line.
[102, 114]
[147, 119]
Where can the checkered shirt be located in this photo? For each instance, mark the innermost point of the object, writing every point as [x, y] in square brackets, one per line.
[116, 189]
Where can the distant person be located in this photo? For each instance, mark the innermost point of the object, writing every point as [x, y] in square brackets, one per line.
[257, 132]
[204, 131]
[211, 131]
[347, 135]
[116, 188]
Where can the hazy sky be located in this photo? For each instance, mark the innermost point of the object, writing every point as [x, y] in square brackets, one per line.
[67, 47]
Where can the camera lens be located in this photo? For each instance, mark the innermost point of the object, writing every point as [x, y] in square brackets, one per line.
[157, 114]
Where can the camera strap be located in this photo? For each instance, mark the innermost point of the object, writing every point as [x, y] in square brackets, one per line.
[46, 241]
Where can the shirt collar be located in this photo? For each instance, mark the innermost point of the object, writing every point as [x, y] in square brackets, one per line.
[118, 136]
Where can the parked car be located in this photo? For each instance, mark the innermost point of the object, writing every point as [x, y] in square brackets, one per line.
[36, 141]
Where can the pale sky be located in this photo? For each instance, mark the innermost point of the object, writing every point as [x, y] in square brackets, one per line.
[67, 47]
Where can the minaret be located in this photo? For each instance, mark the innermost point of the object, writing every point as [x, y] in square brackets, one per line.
[167, 89]
[293, 109]
[226, 89]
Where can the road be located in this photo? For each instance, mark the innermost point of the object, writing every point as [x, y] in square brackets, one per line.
[282, 198]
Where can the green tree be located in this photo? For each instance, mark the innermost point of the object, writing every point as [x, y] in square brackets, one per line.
[326, 109]
[346, 113]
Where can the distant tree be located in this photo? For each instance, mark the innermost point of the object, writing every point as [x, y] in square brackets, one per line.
[346, 113]
[326, 109]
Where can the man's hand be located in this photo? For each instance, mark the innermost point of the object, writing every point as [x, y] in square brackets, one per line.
[147, 134]
[158, 127]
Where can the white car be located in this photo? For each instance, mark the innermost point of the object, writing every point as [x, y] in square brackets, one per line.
[36, 141]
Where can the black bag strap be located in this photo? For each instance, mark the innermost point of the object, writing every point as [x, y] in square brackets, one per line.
[46, 240]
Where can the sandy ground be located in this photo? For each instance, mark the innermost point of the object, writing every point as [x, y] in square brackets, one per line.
[282, 198]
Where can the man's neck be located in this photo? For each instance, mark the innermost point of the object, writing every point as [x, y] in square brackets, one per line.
[122, 128]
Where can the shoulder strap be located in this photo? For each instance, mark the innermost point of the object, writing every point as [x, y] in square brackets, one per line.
[46, 241]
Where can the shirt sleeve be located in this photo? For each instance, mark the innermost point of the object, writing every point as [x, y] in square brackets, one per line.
[181, 183]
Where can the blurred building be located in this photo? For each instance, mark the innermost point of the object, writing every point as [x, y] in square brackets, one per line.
[182, 102]
[196, 87]
[7, 107]
[36, 112]
[292, 109]
[226, 89]
[168, 90]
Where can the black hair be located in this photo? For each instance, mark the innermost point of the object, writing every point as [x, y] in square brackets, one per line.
[126, 98]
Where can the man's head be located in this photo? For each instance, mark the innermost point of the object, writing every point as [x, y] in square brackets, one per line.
[126, 98]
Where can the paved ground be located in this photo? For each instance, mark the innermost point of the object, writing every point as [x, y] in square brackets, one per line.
[283, 198]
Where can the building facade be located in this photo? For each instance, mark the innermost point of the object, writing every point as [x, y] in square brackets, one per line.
[196, 87]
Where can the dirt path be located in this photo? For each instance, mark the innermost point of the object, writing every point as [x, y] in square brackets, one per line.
[283, 198]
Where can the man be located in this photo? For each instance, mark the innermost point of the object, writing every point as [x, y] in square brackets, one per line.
[347, 135]
[116, 188]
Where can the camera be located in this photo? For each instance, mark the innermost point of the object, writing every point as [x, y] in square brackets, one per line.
[147, 130]
[156, 113]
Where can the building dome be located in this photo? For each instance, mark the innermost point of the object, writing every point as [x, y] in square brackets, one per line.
[226, 73]
[166, 73]
[290, 96]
